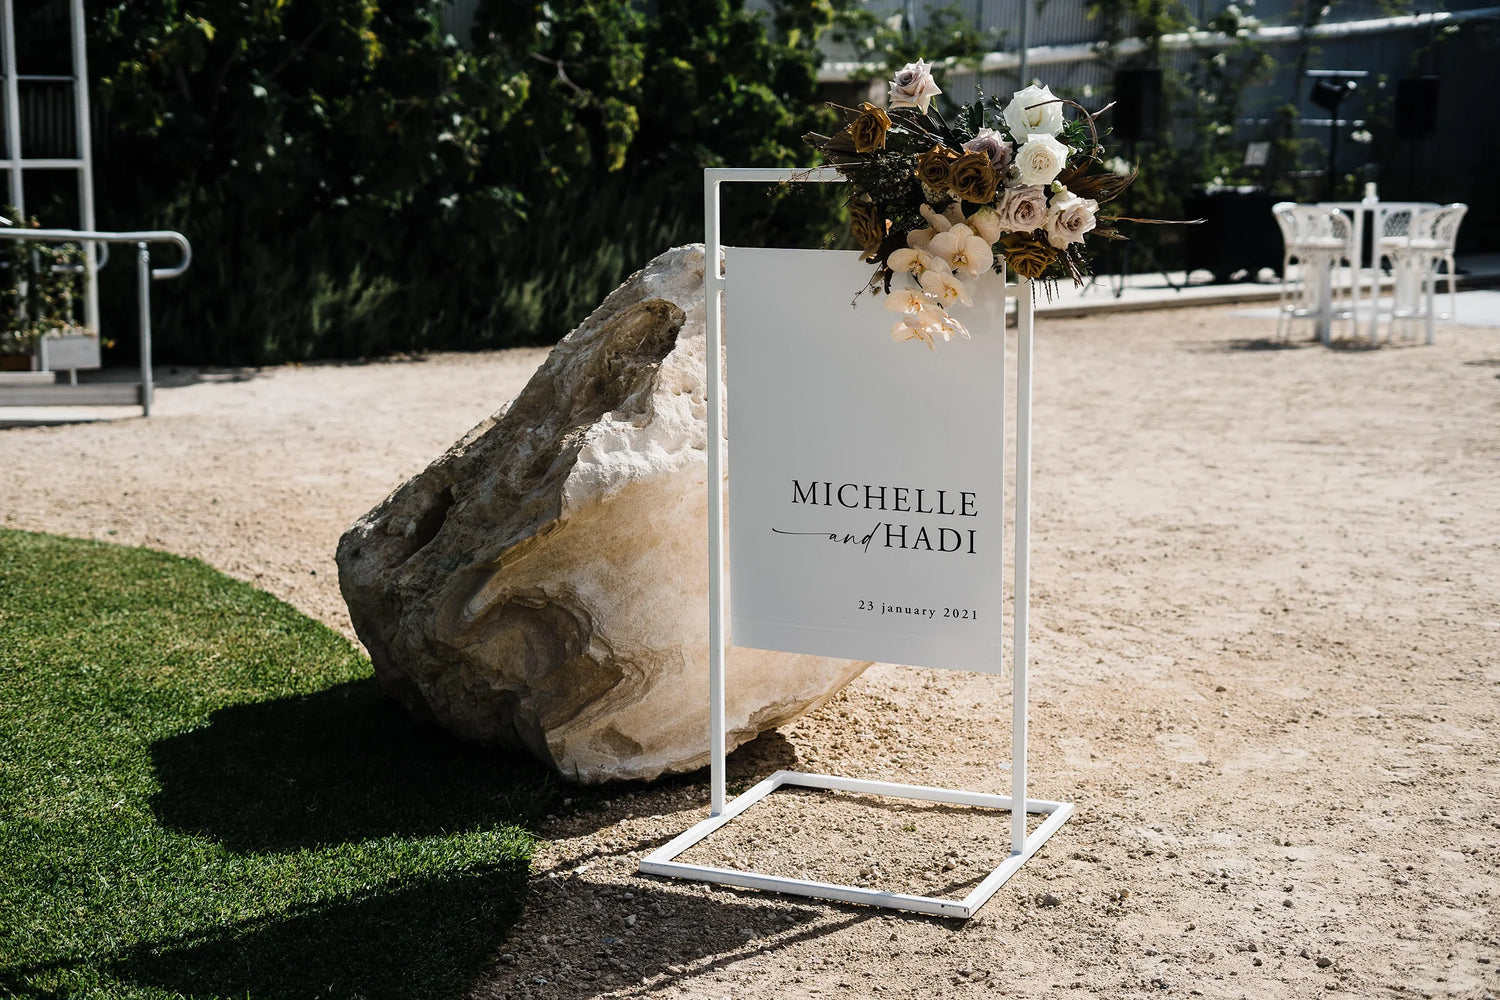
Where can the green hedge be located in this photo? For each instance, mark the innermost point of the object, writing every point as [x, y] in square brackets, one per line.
[355, 183]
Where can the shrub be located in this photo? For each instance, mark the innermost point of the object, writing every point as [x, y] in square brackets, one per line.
[356, 183]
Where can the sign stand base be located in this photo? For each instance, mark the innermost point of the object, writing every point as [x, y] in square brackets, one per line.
[660, 861]
[1023, 844]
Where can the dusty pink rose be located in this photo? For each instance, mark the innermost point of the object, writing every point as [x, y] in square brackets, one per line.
[993, 145]
[914, 87]
[1069, 217]
[1023, 209]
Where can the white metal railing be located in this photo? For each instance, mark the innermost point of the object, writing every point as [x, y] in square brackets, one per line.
[145, 275]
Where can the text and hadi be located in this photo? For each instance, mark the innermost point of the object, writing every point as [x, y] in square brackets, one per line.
[891, 534]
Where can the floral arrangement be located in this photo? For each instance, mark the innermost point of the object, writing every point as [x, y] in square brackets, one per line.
[943, 202]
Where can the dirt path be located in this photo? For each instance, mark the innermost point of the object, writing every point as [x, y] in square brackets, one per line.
[1267, 670]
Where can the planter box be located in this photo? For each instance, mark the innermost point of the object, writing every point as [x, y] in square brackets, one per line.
[69, 351]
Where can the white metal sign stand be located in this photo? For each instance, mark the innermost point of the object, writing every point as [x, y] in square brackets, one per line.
[662, 861]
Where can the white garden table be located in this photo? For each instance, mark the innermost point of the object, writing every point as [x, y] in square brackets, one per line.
[1357, 211]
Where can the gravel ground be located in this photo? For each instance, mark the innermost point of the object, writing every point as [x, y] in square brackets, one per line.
[1267, 667]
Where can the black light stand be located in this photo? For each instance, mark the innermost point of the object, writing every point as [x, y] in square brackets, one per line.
[1330, 87]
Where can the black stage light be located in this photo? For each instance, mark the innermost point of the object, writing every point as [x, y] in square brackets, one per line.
[1327, 94]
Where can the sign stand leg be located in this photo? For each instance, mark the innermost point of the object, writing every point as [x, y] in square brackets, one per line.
[662, 860]
[713, 321]
[1020, 646]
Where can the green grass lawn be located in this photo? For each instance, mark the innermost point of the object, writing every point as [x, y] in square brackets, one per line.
[203, 794]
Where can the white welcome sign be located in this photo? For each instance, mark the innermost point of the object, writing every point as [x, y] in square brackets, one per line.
[865, 510]
[866, 477]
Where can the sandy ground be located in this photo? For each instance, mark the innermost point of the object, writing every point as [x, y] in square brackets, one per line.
[1267, 669]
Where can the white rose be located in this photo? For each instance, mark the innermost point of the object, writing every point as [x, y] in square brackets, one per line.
[914, 87]
[1069, 217]
[1024, 120]
[1041, 159]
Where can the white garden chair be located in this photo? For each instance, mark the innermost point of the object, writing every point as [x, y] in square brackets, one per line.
[1430, 240]
[1318, 240]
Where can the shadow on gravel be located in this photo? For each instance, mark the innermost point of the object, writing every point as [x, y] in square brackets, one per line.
[340, 766]
[686, 939]
[1262, 344]
[1250, 345]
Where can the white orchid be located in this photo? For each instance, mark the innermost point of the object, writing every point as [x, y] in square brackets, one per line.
[906, 300]
[910, 327]
[951, 326]
[945, 288]
[917, 262]
[940, 222]
[965, 251]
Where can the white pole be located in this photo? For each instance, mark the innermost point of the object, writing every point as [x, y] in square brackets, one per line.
[143, 289]
[12, 111]
[86, 168]
[713, 284]
[1023, 44]
[1026, 314]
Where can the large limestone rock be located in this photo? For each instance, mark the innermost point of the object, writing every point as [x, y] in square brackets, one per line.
[545, 582]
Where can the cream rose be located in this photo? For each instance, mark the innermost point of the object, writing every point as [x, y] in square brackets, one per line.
[1024, 118]
[1023, 209]
[986, 222]
[1069, 217]
[1041, 159]
[914, 87]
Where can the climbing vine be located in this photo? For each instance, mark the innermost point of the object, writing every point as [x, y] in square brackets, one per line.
[40, 284]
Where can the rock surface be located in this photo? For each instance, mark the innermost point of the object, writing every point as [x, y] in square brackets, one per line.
[545, 582]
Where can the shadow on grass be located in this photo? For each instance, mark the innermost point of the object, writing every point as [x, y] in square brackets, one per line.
[427, 939]
[339, 766]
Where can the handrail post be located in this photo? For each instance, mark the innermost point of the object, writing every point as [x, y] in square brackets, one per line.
[143, 284]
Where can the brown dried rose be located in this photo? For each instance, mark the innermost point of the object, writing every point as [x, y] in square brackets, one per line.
[972, 178]
[869, 129]
[932, 167]
[1027, 256]
[867, 226]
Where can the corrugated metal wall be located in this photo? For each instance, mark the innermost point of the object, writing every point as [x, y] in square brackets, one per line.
[1445, 167]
